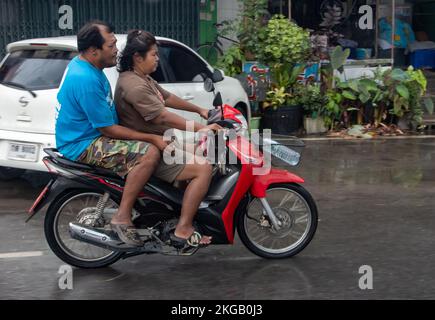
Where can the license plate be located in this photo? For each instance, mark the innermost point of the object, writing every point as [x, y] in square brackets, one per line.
[23, 152]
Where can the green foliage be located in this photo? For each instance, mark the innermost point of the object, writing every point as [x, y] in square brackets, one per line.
[283, 42]
[333, 110]
[338, 58]
[231, 61]
[285, 89]
[276, 98]
[284, 75]
[312, 100]
[405, 90]
[394, 92]
[428, 103]
[253, 20]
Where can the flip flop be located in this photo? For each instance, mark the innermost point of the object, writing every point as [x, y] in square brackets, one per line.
[193, 241]
[127, 234]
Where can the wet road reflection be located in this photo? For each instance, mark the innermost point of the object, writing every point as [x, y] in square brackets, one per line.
[376, 207]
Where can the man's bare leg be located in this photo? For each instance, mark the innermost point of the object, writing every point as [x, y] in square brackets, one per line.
[136, 180]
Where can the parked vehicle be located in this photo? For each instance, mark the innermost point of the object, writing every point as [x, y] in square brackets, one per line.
[274, 215]
[32, 71]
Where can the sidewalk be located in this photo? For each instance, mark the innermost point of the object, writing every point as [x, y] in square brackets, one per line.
[323, 137]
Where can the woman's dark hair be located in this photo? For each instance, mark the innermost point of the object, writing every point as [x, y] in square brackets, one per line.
[137, 41]
[90, 35]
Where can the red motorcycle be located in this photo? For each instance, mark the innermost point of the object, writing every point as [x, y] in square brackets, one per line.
[274, 215]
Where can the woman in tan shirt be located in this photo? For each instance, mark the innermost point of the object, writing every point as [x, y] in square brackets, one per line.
[141, 105]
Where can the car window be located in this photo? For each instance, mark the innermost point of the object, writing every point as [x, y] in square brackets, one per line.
[182, 65]
[158, 75]
[36, 69]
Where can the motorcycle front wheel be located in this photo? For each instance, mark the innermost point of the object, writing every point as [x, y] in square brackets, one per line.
[294, 208]
[77, 206]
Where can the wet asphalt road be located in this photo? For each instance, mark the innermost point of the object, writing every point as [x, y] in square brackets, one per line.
[376, 202]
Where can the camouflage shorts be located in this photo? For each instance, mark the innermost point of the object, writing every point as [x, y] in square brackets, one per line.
[120, 156]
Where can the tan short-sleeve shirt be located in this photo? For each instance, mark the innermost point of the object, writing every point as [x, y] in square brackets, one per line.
[139, 100]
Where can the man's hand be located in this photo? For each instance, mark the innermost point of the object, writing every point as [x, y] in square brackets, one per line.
[160, 143]
[203, 113]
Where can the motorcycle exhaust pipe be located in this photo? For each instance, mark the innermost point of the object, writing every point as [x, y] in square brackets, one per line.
[106, 239]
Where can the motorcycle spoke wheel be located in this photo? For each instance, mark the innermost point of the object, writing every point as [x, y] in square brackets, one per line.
[297, 213]
[71, 211]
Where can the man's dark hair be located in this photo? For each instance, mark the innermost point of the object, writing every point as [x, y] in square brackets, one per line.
[90, 36]
[137, 41]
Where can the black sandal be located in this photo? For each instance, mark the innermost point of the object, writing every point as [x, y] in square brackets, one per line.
[192, 242]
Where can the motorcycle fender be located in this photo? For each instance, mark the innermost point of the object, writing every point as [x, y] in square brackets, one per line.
[261, 183]
[53, 189]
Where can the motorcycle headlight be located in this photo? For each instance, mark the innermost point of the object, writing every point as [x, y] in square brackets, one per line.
[241, 129]
[243, 121]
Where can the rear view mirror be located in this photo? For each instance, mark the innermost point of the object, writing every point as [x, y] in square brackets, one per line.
[217, 75]
[208, 85]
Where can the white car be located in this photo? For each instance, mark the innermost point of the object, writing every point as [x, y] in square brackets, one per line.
[32, 71]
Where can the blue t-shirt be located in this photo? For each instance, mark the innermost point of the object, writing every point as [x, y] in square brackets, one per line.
[85, 104]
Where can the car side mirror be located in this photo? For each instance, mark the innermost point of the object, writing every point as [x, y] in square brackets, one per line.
[217, 75]
[217, 102]
[208, 85]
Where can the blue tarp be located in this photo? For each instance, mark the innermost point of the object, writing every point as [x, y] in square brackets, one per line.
[403, 33]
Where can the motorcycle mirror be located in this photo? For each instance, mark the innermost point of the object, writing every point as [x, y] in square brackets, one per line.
[208, 85]
[217, 100]
[217, 75]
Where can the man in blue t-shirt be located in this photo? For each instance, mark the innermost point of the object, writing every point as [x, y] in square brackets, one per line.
[87, 127]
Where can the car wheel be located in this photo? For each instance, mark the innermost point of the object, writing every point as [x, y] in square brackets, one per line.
[7, 173]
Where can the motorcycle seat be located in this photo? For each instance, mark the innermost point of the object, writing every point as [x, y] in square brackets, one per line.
[59, 159]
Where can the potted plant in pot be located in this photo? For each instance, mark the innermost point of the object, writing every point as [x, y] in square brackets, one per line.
[283, 42]
[283, 112]
[283, 46]
[313, 103]
[256, 116]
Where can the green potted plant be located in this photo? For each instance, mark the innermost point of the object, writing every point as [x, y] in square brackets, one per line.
[333, 110]
[405, 91]
[394, 94]
[255, 123]
[282, 41]
[283, 112]
[283, 46]
[313, 103]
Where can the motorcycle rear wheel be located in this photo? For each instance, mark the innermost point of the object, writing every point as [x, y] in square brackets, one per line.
[56, 227]
[295, 209]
